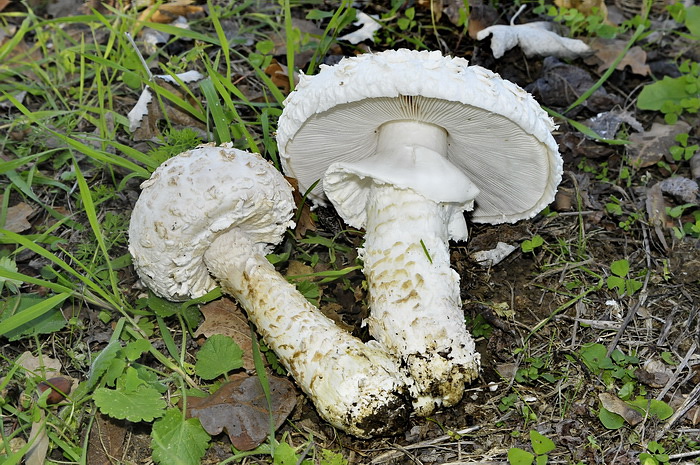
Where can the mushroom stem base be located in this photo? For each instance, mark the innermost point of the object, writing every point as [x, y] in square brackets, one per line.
[354, 386]
[414, 295]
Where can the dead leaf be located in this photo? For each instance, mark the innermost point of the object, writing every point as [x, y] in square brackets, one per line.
[682, 188]
[620, 407]
[16, 220]
[279, 75]
[656, 212]
[648, 148]
[481, 17]
[42, 366]
[561, 84]
[3, 4]
[36, 454]
[655, 373]
[225, 317]
[166, 13]
[587, 7]
[145, 115]
[606, 52]
[534, 39]
[369, 25]
[239, 407]
[433, 6]
[305, 222]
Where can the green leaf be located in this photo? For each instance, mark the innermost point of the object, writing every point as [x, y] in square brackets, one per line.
[618, 283]
[541, 460]
[219, 355]
[595, 357]
[285, 455]
[541, 444]
[518, 456]
[30, 315]
[620, 268]
[667, 90]
[692, 20]
[610, 420]
[328, 457]
[141, 404]
[657, 408]
[134, 349]
[177, 441]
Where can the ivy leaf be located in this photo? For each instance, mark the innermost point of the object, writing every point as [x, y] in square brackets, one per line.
[541, 444]
[219, 355]
[177, 441]
[141, 404]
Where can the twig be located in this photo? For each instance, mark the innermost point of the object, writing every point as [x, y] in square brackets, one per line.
[677, 373]
[642, 296]
[689, 402]
[431, 442]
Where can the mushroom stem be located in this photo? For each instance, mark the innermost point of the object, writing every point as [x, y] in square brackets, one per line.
[354, 386]
[414, 203]
[414, 295]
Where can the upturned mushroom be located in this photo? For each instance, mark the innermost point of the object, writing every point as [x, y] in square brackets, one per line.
[210, 215]
[405, 142]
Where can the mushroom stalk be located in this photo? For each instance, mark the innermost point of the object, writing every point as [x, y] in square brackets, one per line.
[414, 295]
[354, 386]
[211, 214]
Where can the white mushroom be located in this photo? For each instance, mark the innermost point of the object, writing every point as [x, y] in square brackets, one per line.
[404, 143]
[210, 215]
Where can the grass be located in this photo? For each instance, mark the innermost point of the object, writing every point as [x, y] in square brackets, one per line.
[70, 296]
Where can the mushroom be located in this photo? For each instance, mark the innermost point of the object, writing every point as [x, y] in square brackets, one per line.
[405, 142]
[210, 215]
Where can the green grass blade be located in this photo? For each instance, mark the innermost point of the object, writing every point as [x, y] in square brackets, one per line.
[91, 213]
[31, 313]
[217, 113]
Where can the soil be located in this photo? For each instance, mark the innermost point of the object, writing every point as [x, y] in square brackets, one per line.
[531, 314]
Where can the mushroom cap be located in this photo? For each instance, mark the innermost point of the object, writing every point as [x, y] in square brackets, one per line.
[496, 132]
[192, 199]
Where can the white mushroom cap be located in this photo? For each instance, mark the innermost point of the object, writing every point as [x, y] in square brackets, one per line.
[208, 191]
[497, 134]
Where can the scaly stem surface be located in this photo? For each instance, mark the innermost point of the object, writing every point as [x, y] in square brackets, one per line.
[414, 295]
[356, 387]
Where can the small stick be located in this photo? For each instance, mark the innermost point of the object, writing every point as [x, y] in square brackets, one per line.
[689, 402]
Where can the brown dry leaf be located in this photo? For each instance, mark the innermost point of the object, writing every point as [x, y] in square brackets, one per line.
[310, 32]
[3, 4]
[17, 215]
[239, 407]
[146, 114]
[168, 12]
[656, 212]
[561, 84]
[43, 365]
[648, 148]
[481, 17]
[607, 51]
[225, 317]
[655, 373]
[305, 221]
[620, 407]
[587, 7]
[279, 75]
[436, 6]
